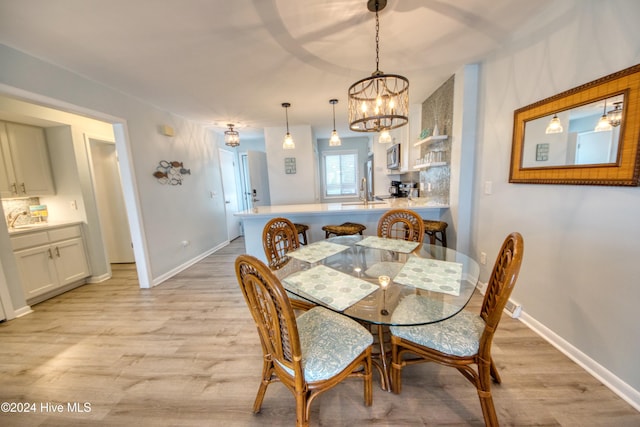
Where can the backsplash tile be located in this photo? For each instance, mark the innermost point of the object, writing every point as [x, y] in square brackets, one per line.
[14, 206]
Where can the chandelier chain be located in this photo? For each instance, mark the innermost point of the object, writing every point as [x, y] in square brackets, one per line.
[377, 40]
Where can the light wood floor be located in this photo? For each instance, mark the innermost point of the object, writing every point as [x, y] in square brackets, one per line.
[186, 353]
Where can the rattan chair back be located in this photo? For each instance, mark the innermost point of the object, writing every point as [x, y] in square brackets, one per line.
[279, 236]
[403, 224]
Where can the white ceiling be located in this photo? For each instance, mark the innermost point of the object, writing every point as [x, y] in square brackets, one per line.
[236, 61]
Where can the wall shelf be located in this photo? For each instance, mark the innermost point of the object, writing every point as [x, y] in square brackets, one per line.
[429, 165]
[430, 139]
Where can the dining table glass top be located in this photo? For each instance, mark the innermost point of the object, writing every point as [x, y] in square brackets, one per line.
[382, 281]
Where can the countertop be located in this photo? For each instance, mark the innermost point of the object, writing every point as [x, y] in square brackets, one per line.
[338, 208]
[22, 229]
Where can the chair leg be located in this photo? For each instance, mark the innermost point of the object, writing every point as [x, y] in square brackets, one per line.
[396, 370]
[494, 372]
[368, 381]
[484, 393]
[302, 409]
[444, 238]
[267, 372]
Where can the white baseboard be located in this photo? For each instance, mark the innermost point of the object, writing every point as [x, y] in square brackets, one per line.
[22, 311]
[158, 280]
[606, 377]
[99, 279]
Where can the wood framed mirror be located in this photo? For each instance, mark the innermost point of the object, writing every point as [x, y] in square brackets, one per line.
[588, 135]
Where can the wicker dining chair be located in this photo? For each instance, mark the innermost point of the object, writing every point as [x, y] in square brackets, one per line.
[403, 224]
[309, 354]
[465, 339]
[280, 236]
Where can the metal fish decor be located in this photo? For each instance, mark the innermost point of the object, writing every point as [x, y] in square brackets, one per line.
[170, 172]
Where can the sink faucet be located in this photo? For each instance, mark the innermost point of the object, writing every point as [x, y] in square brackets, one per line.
[12, 217]
[363, 191]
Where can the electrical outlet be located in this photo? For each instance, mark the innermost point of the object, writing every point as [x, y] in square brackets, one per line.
[483, 258]
[488, 187]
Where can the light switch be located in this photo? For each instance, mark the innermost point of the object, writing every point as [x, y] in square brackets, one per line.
[488, 187]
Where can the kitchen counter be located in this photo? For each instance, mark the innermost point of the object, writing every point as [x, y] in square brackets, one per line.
[28, 228]
[316, 215]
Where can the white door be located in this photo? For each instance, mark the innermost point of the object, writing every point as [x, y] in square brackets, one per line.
[110, 201]
[258, 178]
[230, 189]
[593, 148]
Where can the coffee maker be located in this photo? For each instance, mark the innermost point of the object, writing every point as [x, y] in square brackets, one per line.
[403, 189]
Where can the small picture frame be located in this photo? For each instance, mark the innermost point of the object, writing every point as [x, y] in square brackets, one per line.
[542, 152]
[290, 165]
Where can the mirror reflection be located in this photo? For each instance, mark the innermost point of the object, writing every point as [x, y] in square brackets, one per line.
[585, 135]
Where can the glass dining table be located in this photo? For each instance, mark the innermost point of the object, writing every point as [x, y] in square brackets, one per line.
[382, 282]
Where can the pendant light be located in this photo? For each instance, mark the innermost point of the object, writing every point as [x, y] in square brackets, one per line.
[380, 101]
[554, 126]
[231, 136]
[603, 124]
[614, 117]
[385, 137]
[334, 141]
[288, 143]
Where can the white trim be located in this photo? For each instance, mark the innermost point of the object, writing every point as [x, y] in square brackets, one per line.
[606, 377]
[23, 311]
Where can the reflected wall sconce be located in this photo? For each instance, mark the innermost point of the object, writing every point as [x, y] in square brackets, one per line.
[385, 137]
[334, 141]
[614, 117]
[231, 136]
[603, 124]
[288, 143]
[380, 101]
[554, 126]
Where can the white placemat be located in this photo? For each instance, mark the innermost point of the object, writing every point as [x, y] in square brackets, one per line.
[317, 251]
[431, 275]
[395, 245]
[334, 288]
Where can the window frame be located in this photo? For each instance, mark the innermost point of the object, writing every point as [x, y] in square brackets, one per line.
[325, 154]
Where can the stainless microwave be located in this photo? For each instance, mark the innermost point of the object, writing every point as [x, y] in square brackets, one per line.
[393, 157]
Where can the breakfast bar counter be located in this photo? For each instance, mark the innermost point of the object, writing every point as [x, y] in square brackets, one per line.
[316, 215]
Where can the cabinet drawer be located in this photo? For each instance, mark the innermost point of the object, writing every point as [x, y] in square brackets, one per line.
[64, 233]
[29, 240]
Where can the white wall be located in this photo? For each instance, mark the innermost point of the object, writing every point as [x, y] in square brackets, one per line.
[581, 274]
[301, 187]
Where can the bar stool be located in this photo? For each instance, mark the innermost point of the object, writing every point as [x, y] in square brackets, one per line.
[346, 229]
[302, 231]
[436, 230]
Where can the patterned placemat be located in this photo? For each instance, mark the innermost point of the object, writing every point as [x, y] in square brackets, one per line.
[431, 275]
[317, 251]
[334, 288]
[395, 245]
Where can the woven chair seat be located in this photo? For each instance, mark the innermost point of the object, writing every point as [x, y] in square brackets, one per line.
[346, 229]
[301, 229]
[436, 230]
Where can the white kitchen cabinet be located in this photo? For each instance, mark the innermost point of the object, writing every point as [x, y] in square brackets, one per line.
[24, 157]
[50, 261]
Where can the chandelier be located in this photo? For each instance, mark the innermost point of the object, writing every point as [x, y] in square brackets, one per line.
[288, 143]
[614, 117]
[379, 102]
[231, 137]
[334, 141]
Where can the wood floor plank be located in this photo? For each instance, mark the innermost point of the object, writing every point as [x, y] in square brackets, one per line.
[186, 353]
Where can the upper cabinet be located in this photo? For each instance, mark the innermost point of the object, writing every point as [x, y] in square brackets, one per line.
[24, 156]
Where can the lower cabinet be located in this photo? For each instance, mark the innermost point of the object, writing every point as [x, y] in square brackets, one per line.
[50, 261]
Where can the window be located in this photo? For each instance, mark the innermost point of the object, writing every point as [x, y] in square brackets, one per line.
[340, 173]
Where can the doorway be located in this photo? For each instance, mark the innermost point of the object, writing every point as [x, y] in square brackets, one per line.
[110, 201]
[230, 189]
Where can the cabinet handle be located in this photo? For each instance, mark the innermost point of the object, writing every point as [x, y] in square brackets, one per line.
[57, 252]
[14, 188]
[50, 254]
[24, 189]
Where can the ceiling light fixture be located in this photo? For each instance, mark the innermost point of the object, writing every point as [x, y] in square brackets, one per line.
[381, 101]
[554, 126]
[288, 143]
[334, 141]
[614, 117]
[231, 137]
[603, 124]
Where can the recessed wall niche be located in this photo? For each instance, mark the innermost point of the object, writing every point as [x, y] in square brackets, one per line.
[437, 109]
